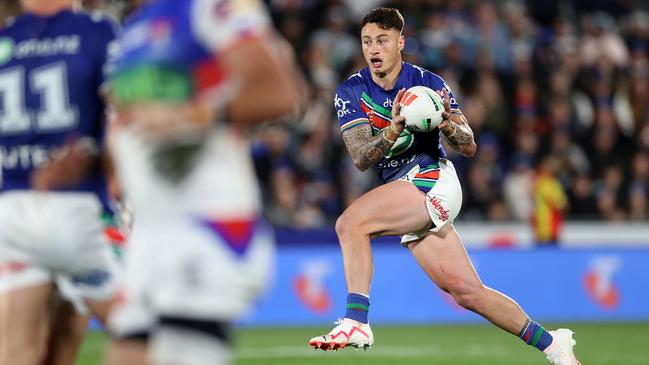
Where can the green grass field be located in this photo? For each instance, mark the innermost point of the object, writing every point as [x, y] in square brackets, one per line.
[597, 344]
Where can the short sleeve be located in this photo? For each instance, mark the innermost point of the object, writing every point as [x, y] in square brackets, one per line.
[348, 109]
[219, 24]
[436, 83]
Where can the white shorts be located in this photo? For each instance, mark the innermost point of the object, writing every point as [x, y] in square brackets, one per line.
[443, 200]
[183, 268]
[55, 237]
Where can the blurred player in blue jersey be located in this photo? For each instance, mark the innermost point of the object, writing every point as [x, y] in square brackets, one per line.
[190, 77]
[420, 198]
[53, 189]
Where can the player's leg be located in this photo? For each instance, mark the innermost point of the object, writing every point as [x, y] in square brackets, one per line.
[444, 259]
[127, 351]
[24, 319]
[67, 330]
[391, 209]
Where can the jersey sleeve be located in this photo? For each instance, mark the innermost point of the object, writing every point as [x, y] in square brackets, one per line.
[220, 24]
[348, 108]
[436, 83]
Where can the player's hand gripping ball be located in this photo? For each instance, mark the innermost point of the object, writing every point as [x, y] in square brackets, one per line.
[422, 108]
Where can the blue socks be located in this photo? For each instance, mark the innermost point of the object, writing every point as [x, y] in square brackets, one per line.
[357, 307]
[535, 335]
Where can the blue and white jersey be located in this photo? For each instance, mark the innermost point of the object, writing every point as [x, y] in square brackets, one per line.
[359, 100]
[169, 50]
[51, 70]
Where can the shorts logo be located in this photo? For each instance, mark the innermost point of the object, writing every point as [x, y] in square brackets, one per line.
[12, 266]
[437, 205]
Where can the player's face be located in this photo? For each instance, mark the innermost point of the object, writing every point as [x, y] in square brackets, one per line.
[381, 48]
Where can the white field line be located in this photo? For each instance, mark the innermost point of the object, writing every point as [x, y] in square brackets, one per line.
[405, 352]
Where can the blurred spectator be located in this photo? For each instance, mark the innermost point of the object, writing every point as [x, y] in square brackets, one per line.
[550, 201]
[518, 187]
[601, 39]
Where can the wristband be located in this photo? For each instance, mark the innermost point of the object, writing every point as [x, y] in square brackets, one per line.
[385, 131]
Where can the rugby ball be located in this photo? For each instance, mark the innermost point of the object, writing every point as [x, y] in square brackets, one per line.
[422, 108]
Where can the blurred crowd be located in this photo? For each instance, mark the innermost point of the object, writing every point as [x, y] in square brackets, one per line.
[556, 91]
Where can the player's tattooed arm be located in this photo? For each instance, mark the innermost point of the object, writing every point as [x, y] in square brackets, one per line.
[459, 135]
[456, 129]
[365, 149]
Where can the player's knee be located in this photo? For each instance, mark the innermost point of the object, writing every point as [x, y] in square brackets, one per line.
[344, 225]
[465, 294]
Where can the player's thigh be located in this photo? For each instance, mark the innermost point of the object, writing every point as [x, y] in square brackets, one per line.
[127, 352]
[444, 259]
[66, 334]
[24, 319]
[394, 208]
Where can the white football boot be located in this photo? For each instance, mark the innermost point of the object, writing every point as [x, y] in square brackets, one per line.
[560, 350]
[348, 332]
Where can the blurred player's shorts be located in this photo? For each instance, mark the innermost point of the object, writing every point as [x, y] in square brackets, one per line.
[183, 268]
[443, 201]
[52, 237]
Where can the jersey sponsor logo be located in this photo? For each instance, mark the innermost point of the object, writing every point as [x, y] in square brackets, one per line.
[395, 162]
[61, 45]
[341, 106]
[387, 103]
[6, 49]
[599, 281]
[439, 208]
[23, 156]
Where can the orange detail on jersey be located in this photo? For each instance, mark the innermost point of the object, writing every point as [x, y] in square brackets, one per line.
[429, 175]
[376, 122]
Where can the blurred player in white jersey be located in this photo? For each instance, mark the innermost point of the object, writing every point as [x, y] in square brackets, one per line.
[191, 76]
[53, 190]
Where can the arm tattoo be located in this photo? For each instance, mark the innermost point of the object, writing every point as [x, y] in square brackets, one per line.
[365, 149]
[460, 138]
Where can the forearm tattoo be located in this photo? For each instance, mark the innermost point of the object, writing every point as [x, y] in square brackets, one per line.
[460, 137]
[365, 149]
